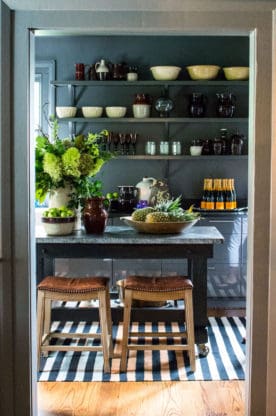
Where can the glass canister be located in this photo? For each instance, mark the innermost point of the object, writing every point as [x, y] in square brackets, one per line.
[150, 148]
[176, 148]
[164, 148]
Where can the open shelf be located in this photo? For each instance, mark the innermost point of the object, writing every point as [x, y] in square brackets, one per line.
[148, 83]
[159, 120]
[182, 157]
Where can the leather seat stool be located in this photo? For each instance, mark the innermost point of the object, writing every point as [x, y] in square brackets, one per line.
[158, 289]
[74, 289]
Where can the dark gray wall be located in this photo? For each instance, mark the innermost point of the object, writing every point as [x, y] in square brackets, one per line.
[185, 176]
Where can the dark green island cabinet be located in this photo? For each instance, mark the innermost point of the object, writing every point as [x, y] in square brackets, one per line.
[184, 173]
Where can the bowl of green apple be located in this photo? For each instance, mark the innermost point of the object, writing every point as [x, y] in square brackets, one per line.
[58, 221]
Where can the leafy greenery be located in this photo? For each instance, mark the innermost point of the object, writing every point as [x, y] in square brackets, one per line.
[74, 161]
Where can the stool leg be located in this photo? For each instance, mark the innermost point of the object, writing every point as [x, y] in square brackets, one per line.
[190, 327]
[40, 323]
[47, 322]
[126, 323]
[104, 330]
[109, 323]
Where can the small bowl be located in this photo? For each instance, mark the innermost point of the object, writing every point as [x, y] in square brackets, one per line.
[196, 150]
[236, 73]
[115, 112]
[64, 112]
[58, 225]
[165, 73]
[203, 72]
[92, 112]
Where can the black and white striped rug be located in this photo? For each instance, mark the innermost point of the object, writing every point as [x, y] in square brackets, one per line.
[225, 361]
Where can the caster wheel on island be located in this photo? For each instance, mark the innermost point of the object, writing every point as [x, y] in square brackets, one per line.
[203, 350]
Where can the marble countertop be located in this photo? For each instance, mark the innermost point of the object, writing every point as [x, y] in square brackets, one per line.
[126, 235]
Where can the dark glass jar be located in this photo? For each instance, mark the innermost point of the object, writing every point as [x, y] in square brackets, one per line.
[94, 215]
[127, 197]
[226, 105]
[217, 146]
[237, 144]
[207, 148]
[142, 99]
[226, 148]
[197, 105]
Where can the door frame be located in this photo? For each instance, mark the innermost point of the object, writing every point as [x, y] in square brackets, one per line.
[259, 27]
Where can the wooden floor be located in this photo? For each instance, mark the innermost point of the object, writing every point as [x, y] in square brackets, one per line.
[191, 398]
[178, 398]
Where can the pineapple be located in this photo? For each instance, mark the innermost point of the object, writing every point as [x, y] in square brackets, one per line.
[140, 214]
[157, 216]
[170, 205]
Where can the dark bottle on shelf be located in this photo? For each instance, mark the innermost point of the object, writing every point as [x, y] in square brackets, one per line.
[226, 150]
[219, 196]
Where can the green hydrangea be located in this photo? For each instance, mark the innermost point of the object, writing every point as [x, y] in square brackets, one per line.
[98, 163]
[71, 162]
[86, 164]
[53, 166]
[94, 150]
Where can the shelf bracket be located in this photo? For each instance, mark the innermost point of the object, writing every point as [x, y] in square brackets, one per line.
[72, 128]
[167, 129]
[71, 94]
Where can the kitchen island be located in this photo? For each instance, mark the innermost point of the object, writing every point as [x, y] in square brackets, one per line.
[122, 242]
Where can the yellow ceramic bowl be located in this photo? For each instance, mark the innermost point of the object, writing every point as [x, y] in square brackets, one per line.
[236, 73]
[165, 73]
[115, 112]
[203, 72]
[92, 112]
[63, 112]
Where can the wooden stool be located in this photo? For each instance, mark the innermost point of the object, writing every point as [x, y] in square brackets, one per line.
[158, 289]
[74, 289]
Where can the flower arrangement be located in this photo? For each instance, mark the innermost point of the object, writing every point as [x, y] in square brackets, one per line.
[70, 161]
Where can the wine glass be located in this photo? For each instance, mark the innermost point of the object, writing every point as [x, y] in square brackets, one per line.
[122, 140]
[128, 139]
[115, 138]
[109, 140]
[133, 140]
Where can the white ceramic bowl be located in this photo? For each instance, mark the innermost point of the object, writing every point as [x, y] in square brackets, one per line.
[233, 73]
[203, 72]
[63, 112]
[58, 225]
[196, 150]
[115, 112]
[141, 110]
[165, 73]
[92, 112]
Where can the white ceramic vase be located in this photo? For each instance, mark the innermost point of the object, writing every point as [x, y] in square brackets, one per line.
[60, 197]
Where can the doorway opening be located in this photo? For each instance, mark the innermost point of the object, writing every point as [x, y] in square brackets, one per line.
[222, 289]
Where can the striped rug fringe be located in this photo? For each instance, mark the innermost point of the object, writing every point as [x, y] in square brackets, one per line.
[225, 361]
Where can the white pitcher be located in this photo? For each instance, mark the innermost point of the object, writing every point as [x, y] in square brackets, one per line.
[145, 188]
